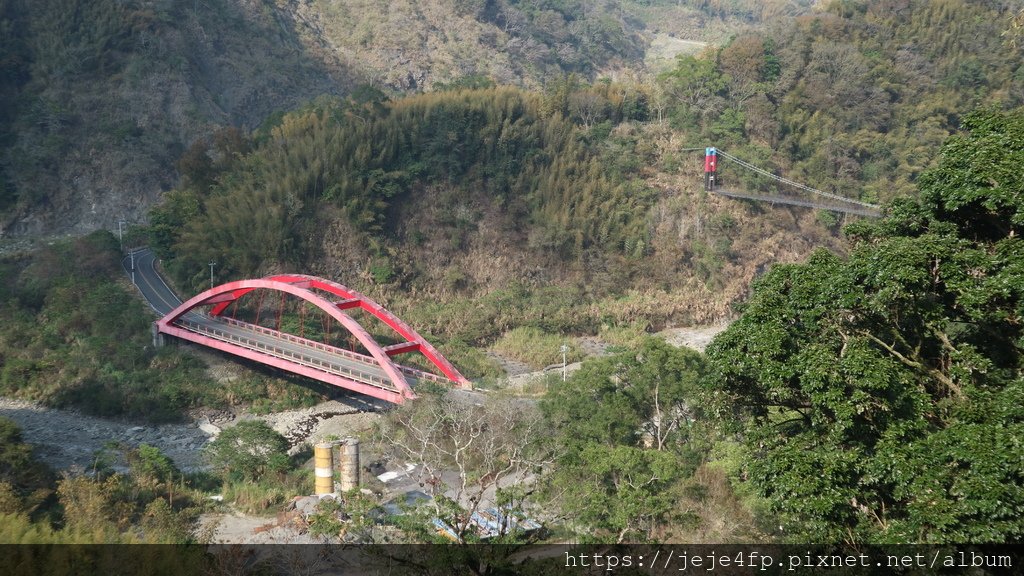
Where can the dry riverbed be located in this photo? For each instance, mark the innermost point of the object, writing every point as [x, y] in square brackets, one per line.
[65, 439]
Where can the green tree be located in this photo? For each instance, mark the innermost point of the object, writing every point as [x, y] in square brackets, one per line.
[695, 85]
[628, 433]
[347, 517]
[151, 469]
[91, 507]
[162, 525]
[880, 397]
[9, 501]
[248, 451]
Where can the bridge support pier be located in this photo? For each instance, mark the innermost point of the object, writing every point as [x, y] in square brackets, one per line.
[348, 464]
[158, 337]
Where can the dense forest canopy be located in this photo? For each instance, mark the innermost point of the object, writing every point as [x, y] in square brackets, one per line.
[517, 152]
[881, 394]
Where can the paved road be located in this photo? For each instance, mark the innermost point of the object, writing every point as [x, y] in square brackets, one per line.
[159, 295]
[163, 300]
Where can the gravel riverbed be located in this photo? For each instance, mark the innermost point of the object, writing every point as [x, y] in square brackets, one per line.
[66, 439]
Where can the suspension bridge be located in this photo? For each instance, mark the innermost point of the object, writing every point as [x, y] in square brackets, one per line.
[370, 369]
[802, 195]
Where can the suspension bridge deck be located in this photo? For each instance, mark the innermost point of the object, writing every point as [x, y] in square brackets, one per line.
[856, 210]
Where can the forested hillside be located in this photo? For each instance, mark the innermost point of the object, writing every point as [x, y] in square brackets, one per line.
[879, 396]
[368, 158]
[99, 99]
[582, 201]
[75, 336]
[506, 208]
[413, 46]
[854, 98]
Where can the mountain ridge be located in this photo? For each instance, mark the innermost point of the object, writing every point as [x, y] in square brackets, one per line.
[101, 98]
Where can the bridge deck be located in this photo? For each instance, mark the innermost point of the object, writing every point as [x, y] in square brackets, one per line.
[314, 354]
[857, 210]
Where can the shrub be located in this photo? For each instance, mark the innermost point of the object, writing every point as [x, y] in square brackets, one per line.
[536, 347]
[248, 451]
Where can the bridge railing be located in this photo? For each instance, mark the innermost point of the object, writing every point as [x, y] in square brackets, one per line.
[421, 375]
[369, 360]
[293, 356]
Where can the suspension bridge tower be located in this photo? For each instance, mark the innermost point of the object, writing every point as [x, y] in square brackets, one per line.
[710, 168]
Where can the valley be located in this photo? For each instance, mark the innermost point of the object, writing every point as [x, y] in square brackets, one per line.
[717, 271]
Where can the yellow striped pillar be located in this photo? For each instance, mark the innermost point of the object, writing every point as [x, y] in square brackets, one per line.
[322, 467]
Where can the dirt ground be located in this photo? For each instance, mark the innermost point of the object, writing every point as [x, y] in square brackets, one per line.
[696, 337]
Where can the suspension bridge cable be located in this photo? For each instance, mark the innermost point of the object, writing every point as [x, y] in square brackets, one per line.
[794, 184]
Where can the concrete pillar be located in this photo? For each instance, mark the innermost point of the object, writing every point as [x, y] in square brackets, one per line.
[158, 337]
[348, 464]
[323, 468]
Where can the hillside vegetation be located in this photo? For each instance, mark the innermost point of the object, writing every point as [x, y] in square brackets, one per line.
[879, 396]
[412, 46]
[538, 209]
[855, 98]
[579, 209]
[498, 146]
[76, 334]
[99, 98]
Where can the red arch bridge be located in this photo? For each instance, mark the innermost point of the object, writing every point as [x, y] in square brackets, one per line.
[202, 320]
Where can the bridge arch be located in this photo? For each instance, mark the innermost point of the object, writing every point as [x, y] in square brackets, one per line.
[352, 299]
[302, 286]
